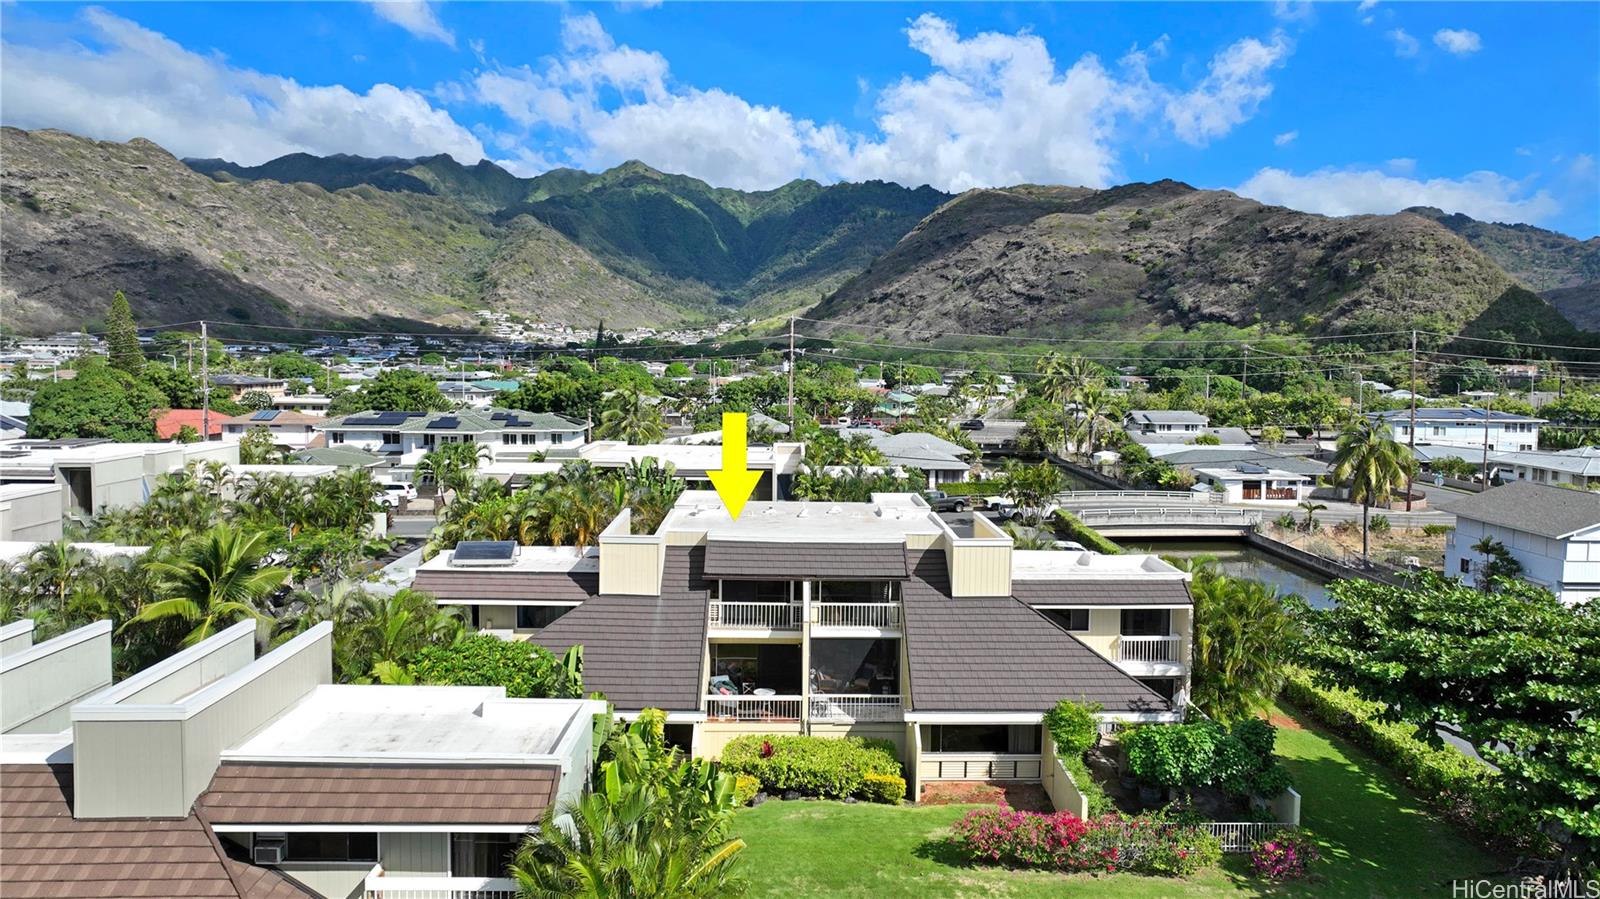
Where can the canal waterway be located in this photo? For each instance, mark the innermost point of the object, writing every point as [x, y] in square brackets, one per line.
[1236, 559]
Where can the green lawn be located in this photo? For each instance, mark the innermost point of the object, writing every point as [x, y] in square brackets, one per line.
[1378, 839]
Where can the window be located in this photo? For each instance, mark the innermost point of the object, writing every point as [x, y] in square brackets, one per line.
[332, 847]
[1166, 687]
[1146, 622]
[539, 616]
[530, 439]
[996, 738]
[391, 436]
[1466, 566]
[1071, 619]
[508, 439]
[335, 437]
[427, 440]
[556, 438]
[481, 854]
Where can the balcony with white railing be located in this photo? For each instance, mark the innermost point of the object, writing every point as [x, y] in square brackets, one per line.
[753, 708]
[846, 708]
[382, 886]
[1155, 649]
[754, 616]
[883, 616]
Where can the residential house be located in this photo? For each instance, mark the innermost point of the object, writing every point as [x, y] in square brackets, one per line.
[236, 386]
[289, 430]
[305, 403]
[1250, 482]
[171, 422]
[215, 773]
[874, 619]
[942, 461]
[1179, 423]
[1554, 532]
[62, 345]
[406, 436]
[97, 474]
[30, 512]
[1579, 467]
[1464, 427]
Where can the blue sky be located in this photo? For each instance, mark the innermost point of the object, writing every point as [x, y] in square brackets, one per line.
[1485, 108]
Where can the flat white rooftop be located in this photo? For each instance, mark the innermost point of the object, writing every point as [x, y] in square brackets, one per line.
[528, 559]
[1055, 565]
[343, 722]
[888, 518]
[293, 471]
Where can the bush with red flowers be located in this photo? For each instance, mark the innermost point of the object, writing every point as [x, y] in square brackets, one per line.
[1285, 855]
[1145, 844]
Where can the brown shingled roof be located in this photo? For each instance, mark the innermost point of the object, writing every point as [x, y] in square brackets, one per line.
[1085, 592]
[273, 793]
[471, 584]
[45, 852]
[996, 654]
[750, 560]
[643, 651]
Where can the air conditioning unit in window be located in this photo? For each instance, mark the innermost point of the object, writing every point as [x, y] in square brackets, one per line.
[269, 848]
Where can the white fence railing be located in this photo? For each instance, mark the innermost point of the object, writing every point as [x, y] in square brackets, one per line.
[754, 615]
[387, 887]
[856, 614]
[1073, 497]
[856, 707]
[1239, 836]
[1191, 515]
[754, 708]
[1148, 649]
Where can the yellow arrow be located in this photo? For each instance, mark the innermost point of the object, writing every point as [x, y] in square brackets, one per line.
[735, 482]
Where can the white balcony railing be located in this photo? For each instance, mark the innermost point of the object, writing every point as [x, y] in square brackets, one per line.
[379, 886]
[856, 707]
[753, 708]
[882, 615]
[1239, 836]
[754, 615]
[1148, 649]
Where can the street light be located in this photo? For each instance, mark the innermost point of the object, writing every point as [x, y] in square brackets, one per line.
[173, 358]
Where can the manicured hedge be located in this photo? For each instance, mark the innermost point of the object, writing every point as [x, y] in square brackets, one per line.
[826, 767]
[1464, 789]
[1069, 527]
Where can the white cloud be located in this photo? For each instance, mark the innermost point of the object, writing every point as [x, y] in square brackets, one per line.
[1285, 139]
[1404, 43]
[1234, 86]
[1401, 165]
[1458, 41]
[1366, 6]
[138, 83]
[417, 17]
[1483, 195]
[1293, 10]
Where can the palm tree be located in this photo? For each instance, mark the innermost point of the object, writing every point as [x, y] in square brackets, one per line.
[453, 467]
[1093, 401]
[1243, 637]
[1029, 538]
[387, 630]
[213, 580]
[1374, 464]
[654, 827]
[1311, 508]
[627, 416]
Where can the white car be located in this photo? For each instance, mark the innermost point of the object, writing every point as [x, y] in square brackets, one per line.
[394, 493]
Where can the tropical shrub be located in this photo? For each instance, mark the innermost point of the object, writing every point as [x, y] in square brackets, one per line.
[1436, 530]
[1073, 726]
[484, 660]
[1069, 527]
[889, 789]
[814, 766]
[1285, 855]
[1380, 524]
[1144, 844]
[745, 788]
[974, 488]
[1239, 762]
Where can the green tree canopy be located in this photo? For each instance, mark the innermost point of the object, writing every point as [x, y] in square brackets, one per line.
[484, 660]
[99, 402]
[122, 337]
[393, 391]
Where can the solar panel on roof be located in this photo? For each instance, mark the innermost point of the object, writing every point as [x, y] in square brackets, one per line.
[392, 418]
[265, 415]
[1251, 468]
[362, 421]
[484, 552]
[445, 423]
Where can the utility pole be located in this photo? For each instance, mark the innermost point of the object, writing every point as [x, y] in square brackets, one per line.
[1244, 385]
[1488, 414]
[188, 346]
[791, 378]
[1411, 441]
[1361, 392]
[1208, 387]
[205, 383]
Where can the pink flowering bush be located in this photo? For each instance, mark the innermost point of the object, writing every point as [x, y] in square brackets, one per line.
[1285, 855]
[1062, 841]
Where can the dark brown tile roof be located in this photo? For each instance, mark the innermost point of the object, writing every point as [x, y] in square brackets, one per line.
[995, 654]
[643, 651]
[1102, 593]
[465, 584]
[747, 560]
[271, 793]
[45, 852]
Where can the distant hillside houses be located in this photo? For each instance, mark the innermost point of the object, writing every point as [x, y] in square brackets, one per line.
[1464, 427]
